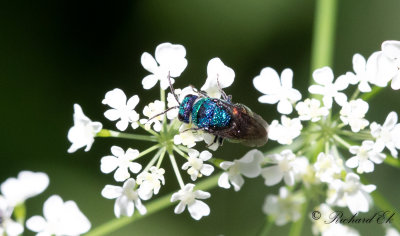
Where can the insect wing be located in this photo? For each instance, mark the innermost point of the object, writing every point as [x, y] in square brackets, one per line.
[246, 126]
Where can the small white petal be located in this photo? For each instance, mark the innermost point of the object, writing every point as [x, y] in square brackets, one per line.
[323, 75]
[36, 223]
[207, 169]
[111, 191]
[135, 167]
[149, 81]
[115, 98]
[359, 63]
[223, 181]
[268, 81]
[352, 162]
[179, 208]
[121, 174]
[148, 62]
[112, 114]
[272, 175]
[198, 209]
[132, 102]
[285, 107]
[108, 164]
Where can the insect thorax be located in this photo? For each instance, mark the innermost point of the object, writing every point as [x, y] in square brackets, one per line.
[207, 113]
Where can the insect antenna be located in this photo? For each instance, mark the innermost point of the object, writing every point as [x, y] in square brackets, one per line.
[224, 96]
[162, 113]
[172, 89]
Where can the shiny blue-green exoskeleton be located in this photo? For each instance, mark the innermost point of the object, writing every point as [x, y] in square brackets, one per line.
[221, 118]
[203, 112]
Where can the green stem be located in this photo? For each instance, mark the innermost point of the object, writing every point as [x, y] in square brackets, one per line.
[392, 161]
[20, 213]
[269, 222]
[149, 130]
[180, 152]
[162, 97]
[176, 170]
[105, 133]
[152, 207]
[373, 93]
[297, 227]
[359, 135]
[355, 94]
[341, 141]
[161, 158]
[324, 34]
[150, 149]
[153, 160]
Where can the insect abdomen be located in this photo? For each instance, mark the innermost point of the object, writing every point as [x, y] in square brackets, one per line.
[206, 113]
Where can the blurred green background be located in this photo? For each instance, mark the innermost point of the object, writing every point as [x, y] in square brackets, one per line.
[57, 53]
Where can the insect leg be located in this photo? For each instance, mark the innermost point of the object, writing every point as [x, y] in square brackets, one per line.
[220, 141]
[214, 141]
[193, 129]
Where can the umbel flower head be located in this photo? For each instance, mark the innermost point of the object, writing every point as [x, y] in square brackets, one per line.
[321, 146]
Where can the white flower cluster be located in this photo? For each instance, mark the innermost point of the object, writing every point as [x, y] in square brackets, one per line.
[319, 147]
[60, 218]
[168, 63]
[337, 152]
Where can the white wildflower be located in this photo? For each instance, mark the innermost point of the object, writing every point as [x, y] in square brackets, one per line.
[28, 184]
[284, 168]
[187, 137]
[328, 167]
[311, 109]
[150, 182]
[287, 131]
[7, 225]
[126, 198]
[83, 132]
[364, 72]
[122, 110]
[391, 50]
[351, 193]
[217, 72]
[365, 157]
[121, 161]
[328, 88]
[171, 60]
[154, 108]
[277, 90]
[195, 165]
[188, 197]
[249, 165]
[285, 207]
[388, 134]
[60, 218]
[353, 112]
